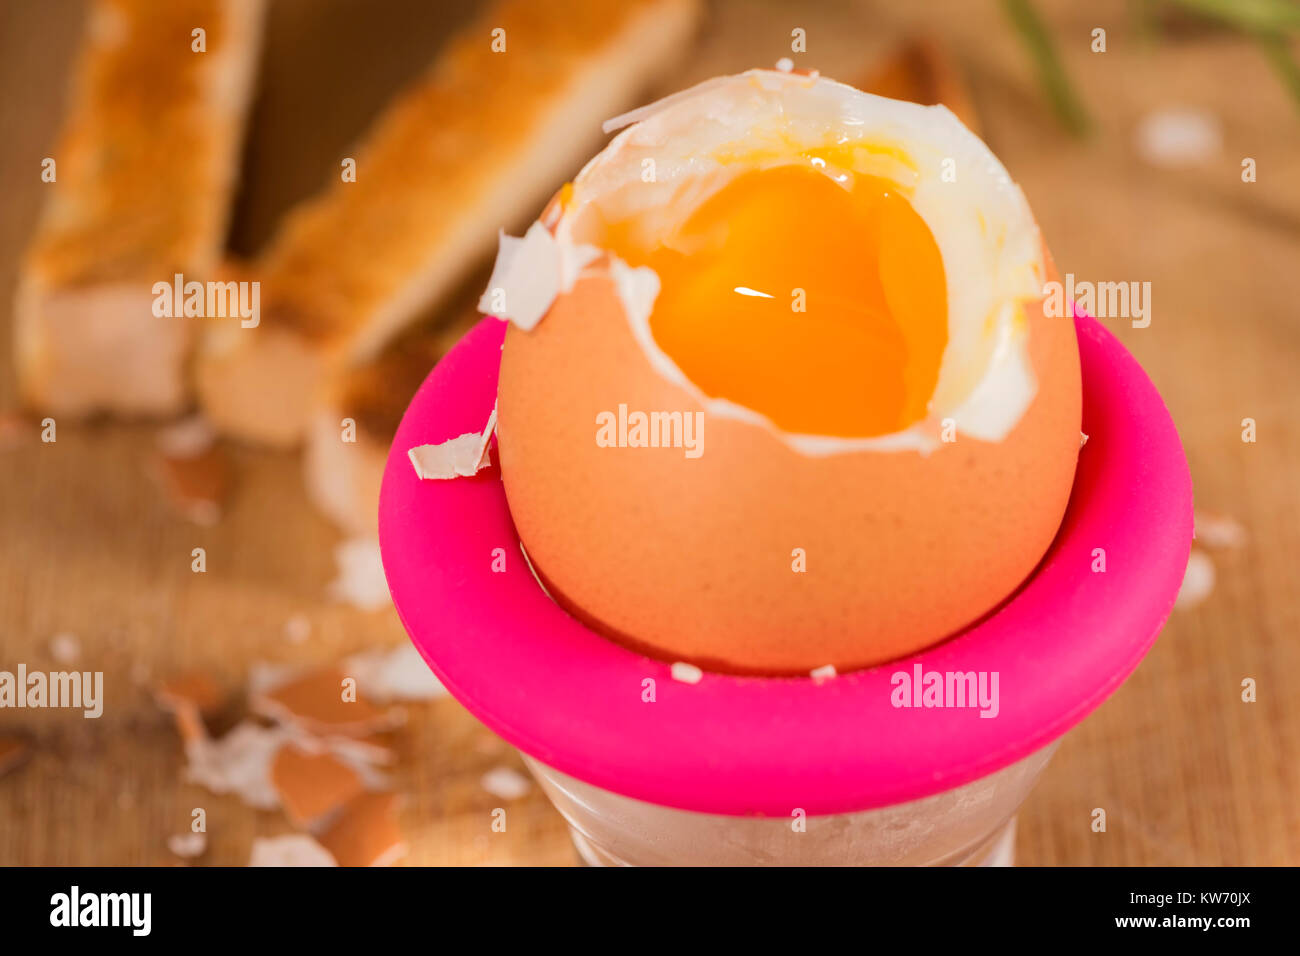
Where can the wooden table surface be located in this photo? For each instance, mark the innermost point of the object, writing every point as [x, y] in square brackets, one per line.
[1187, 772]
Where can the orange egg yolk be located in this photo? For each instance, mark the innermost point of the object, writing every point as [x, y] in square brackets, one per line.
[821, 307]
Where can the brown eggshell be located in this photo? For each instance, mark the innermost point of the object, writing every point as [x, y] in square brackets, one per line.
[693, 559]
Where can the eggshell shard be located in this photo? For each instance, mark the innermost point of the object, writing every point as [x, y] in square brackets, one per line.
[367, 832]
[505, 783]
[691, 559]
[530, 272]
[461, 457]
[312, 785]
[292, 849]
[686, 673]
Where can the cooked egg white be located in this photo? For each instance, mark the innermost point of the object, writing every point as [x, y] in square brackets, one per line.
[679, 153]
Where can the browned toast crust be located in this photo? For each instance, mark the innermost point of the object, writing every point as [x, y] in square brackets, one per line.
[145, 165]
[472, 147]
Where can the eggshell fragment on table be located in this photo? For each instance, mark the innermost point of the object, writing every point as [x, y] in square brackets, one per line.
[238, 763]
[187, 438]
[192, 470]
[364, 756]
[397, 673]
[188, 846]
[1219, 531]
[1198, 580]
[506, 783]
[360, 580]
[196, 689]
[312, 785]
[366, 833]
[293, 849]
[1179, 137]
[315, 702]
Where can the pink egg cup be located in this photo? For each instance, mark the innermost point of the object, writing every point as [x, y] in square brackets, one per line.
[740, 770]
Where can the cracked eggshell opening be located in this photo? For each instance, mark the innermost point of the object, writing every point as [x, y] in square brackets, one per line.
[701, 138]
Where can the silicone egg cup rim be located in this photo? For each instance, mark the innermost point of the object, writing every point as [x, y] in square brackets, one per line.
[771, 746]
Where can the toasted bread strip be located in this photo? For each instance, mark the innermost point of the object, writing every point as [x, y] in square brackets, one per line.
[343, 477]
[470, 149]
[145, 167]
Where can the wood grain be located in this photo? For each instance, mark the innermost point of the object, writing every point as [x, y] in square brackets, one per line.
[1187, 772]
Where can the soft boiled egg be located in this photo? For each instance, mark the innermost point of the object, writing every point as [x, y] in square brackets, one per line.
[780, 392]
